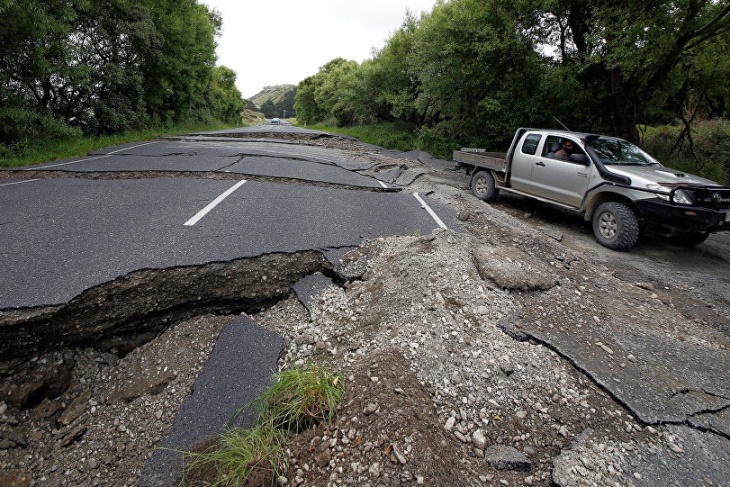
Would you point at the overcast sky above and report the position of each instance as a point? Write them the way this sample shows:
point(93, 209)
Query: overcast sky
point(275, 42)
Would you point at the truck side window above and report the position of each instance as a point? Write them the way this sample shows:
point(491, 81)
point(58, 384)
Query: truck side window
point(552, 145)
point(529, 146)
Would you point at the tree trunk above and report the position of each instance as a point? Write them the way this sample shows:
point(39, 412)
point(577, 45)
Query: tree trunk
point(625, 109)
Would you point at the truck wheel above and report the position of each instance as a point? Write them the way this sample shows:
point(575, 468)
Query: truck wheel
point(484, 187)
point(690, 239)
point(615, 225)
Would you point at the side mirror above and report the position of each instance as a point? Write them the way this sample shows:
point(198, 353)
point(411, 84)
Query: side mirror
point(579, 159)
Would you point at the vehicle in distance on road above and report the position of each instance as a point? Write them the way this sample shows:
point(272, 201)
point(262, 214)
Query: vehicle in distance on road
point(275, 121)
point(614, 184)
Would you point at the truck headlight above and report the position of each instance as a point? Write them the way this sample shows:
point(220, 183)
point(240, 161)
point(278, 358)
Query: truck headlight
point(680, 196)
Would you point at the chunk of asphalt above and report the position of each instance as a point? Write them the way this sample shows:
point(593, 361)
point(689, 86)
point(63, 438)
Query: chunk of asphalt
point(408, 176)
point(239, 369)
point(691, 458)
point(504, 457)
point(308, 288)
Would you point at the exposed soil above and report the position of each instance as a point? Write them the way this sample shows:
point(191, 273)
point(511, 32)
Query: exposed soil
point(443, 387)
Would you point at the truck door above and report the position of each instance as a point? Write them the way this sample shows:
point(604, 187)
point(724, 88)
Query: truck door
point(560, 179)
point(522, 162)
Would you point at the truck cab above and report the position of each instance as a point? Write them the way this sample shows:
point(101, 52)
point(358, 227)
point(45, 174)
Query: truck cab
point(564, 177)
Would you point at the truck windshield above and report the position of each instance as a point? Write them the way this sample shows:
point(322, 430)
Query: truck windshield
point(618, 151)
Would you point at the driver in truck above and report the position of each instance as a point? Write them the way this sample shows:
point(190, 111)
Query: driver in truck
point(567, 150)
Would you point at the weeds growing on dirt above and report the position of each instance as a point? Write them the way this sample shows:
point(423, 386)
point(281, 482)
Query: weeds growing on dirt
point(301, 398)
point(239, 455)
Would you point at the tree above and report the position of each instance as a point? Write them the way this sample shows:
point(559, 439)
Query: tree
point(478, 78)
point(305, 105)
point(178, 74)
point(390, 80)
point(228, 105)
point(321, 96)
point(627, 51)
point(104, 66)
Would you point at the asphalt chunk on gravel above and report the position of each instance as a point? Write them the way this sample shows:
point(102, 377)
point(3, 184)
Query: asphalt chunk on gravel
point(239, 369)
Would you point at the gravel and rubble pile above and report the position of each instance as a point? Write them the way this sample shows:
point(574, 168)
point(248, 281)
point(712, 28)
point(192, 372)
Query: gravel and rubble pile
point(423, 297)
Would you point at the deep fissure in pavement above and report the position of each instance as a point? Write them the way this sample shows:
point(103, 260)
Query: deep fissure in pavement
point(132, 309)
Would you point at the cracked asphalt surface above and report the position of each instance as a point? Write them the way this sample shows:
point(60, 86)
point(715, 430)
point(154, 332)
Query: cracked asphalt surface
point(664, 371)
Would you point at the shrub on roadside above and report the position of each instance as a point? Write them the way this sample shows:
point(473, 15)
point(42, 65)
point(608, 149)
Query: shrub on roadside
point(20, 127)
point(707, 156)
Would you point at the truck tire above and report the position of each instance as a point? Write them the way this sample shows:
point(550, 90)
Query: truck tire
point(615, 225)
point(690, 239)
point(484, 187)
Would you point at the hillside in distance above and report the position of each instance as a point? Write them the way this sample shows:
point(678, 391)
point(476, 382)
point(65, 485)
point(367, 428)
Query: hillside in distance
point(276, 101)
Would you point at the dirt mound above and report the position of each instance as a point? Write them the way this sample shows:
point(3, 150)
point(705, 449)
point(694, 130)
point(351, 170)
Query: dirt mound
point(386, 431)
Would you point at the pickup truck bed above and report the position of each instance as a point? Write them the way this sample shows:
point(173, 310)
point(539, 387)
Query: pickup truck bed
point(480, 158)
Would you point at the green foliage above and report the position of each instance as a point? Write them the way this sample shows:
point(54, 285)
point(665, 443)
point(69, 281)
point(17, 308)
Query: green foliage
point(71, 143)
point(276, 101)
point(471, 71)
point(20, 127)
point(109, 66)
point(298, 399)
point(226, 99)
point(303, 397)
point(308, 111)
point(708, 155)
point(331, 93)
point(395, 135)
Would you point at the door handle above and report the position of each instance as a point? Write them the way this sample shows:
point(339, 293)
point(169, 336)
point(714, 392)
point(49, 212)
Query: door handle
point(540, 163)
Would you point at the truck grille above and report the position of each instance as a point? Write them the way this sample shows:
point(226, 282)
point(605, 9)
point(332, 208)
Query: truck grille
point(710, 197)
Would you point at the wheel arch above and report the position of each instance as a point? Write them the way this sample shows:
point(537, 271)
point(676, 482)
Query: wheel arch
point(594, 200)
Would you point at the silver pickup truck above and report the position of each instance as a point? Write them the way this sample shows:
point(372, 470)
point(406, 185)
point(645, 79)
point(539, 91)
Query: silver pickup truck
point(610, 181)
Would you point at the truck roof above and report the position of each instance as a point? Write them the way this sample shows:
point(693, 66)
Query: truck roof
point(561, 132)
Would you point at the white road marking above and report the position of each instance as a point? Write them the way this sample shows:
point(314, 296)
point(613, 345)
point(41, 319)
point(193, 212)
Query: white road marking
point(19, 182)
point(88, 158)
point(430, 211)
point(382, 183)
point(213, 204)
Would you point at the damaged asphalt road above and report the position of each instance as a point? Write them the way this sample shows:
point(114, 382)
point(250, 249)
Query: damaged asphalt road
point(95, 247)
point(85, 227)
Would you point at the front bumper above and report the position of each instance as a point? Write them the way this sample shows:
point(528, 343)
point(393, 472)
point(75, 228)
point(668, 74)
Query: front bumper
point(679, 219)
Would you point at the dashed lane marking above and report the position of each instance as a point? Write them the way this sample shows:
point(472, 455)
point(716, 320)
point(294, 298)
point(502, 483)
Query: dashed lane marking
point(19, 182)
point(430, 211)
point(213, 204)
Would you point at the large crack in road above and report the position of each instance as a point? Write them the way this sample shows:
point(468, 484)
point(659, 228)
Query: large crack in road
point(213, 175)
point(145, 301)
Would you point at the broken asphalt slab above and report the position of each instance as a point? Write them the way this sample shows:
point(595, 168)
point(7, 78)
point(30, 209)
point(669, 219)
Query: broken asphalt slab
point(310, 287)
point(659, 379)
point(690, 459)
point(239, 369)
